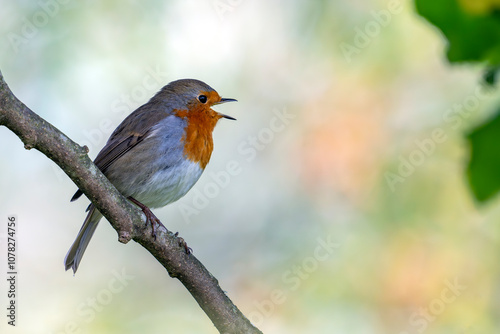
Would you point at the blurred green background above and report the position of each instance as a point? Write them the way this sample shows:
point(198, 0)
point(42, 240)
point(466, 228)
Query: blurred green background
point(338, 202)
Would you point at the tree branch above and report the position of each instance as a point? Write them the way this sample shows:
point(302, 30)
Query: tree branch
point(125, 218)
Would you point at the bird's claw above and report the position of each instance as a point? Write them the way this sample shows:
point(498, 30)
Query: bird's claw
point(183, 243)
point(150, 217)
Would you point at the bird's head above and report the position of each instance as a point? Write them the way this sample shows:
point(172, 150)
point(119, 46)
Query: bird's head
point(192, 96)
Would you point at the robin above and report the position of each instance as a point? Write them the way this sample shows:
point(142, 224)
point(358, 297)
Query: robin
point(156, 154)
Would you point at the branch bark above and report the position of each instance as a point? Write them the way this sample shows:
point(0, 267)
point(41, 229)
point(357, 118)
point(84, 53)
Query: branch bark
point(125, 218)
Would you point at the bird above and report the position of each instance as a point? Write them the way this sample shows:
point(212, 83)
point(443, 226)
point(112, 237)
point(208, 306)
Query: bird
point(156, 154)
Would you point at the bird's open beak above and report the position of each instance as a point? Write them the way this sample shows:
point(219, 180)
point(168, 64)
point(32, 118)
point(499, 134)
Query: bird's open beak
point(224, 100)
point(228, 117)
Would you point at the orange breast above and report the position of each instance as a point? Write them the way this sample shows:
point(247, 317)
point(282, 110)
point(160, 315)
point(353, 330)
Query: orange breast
point(198, 142)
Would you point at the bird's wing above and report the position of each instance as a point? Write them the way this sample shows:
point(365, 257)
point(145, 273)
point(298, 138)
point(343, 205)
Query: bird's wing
point(134, 129)
point(116, 148)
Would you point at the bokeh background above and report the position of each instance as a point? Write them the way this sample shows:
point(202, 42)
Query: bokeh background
point(345, 213)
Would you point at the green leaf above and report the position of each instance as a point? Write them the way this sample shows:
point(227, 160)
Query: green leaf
point(483, 170)
point(472, 36)
point(490, 76)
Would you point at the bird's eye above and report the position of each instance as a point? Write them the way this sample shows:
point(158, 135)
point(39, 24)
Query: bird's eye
point(202, 98)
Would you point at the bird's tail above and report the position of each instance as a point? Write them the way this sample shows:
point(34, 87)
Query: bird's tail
point(75, 253)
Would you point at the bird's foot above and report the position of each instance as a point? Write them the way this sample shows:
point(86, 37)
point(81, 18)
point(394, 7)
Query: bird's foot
point(150, 217)
point(183, 244)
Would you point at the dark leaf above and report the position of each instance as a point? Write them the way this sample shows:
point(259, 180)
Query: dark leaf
point(484, 166)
